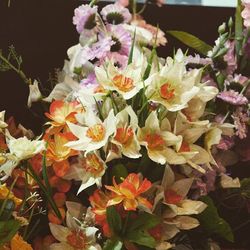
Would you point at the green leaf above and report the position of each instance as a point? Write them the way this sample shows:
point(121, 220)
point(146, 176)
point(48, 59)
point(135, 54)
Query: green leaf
point(114, 220)
point(9, 206)
point(144, 221)
point(45, 174)
point(141, 238)
point(212, 222)
point(149, 66)
point(119, 171)
point(191, 41)
point(245, 187)
point(112, 245)
point(130, 58)
point(7, 230)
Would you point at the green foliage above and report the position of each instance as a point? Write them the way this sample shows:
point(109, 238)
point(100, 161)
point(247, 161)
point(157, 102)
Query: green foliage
point(113, 244)
point(7, 209)
point(191, 41)
point(114, 220)
point(119, 171)
point(7, 230)
point(238, 29)
point(212, 222)
point(130, 58)
point(141, 237)
point(245, 188)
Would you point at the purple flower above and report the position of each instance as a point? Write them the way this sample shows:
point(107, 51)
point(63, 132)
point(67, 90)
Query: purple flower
point(89, 81)
point(116, 14)
point(232, 97)
point(198, 60)
point(230, 58)
point(240, 121)
point(247, 48)
point(225, 143)
point(85, 18)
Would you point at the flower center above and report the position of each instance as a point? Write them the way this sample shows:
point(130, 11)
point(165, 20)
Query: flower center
point(115, 18)
point(123, 83)
point(171, 197)
point(116, 46)
point(184, 147)
point(166, 91)
point(154, 141)
point(90, 23)
point(77, 240)
point(96, 132)
point(93, 164)
point(124, 135)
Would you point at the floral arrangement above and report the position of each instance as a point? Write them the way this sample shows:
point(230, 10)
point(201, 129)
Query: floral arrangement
point(137, 150)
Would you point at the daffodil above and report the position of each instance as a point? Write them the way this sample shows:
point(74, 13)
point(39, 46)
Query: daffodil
point(94, 134)
point(173, 86)
point(158, 141)
point(129, 192)
point(89, 170)
point(77, 235)
point(125, 135)
point(127, 82)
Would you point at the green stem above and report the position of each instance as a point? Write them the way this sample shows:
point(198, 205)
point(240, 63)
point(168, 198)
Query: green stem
point(30, 218)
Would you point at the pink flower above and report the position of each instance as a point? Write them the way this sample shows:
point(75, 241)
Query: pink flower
point(246, 13)
point(230, 58)
point(232, 97)
point(116, 14)
point(198, 60)
point(84, 18)
point(240, 119)
point(90, 80)
point(124, 3)
point(225, 143)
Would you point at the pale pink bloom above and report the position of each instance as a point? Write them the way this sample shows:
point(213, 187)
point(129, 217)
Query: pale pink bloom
point(116, 14)
point(230, 58)
point(246, 13)
point(225, 143)
point(89, 81)
point(198, 60)
point(240, 119)
point(233, 97)
point(84, 17)
point(124, 3)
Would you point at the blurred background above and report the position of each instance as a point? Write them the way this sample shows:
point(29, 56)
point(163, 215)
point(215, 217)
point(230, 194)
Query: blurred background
point(218, 3)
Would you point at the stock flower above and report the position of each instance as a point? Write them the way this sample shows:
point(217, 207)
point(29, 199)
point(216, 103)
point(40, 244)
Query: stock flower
point(116, 14)
point(240, 121)
point(89, 170)
point(232, 97)
point(125, 135)
point(158, 141)
point(85, 18)
point(94, 134)
point(246, 13)
point(129, 192)
point(75, 236)
point(23, 148)
point(62, 112)
point(127, 82)
point(173, 86)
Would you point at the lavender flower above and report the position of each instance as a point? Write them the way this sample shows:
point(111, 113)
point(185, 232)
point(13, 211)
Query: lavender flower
point(247, 48)
point(246, 13)
point(225, 143)
point(230, 58)
point(89, 81)
point(240, 119)
point(84, 18)
point(232, 97)
point(116, 14)
point(198, 60)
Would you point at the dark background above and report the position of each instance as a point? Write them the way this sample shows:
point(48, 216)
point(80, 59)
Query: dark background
point(42, 31)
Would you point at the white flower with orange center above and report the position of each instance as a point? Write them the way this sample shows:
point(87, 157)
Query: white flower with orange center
point(89, 170)
point(125, 135)
point(75, 236)
point(94, 134)
point(127, 82)
point(158, 141)
point(173, 86)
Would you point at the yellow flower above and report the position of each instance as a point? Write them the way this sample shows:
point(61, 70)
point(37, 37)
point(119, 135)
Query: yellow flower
point(17, 243)
point(6, 193)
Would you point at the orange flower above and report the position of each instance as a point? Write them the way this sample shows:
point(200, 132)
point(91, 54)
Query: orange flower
point(56, 150)
point(17, 243)
point(129, 192)
point(5, 192)
point(61, 112)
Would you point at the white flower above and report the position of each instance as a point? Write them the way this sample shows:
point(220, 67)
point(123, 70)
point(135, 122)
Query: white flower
point(127, 82)
point(125, 135)
point(229, 182)
point(23, 148)
point(174, 86)
point(94, 134)
point(34, 93)
point(3, 125)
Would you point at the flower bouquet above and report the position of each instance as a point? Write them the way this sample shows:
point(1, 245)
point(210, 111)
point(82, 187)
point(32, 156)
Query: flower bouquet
point(138, 151)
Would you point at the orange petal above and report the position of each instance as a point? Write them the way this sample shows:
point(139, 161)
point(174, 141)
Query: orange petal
point(115, 201)
point(59, 199)
point(145, 186)
point(61, 168)
point(144, 202)
point(130, 204)
point(54, 219)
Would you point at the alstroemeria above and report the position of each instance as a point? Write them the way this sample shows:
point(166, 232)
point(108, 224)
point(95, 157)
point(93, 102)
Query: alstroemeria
point(62, 112)
point(23, 148)
point(75, 236)
point(89, 170)
point(158, 141)
point(127, 82)
point(174, 86)
point(94, 134)
point(129, 192)
point(125, 135)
